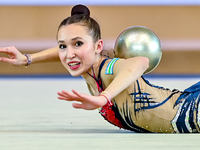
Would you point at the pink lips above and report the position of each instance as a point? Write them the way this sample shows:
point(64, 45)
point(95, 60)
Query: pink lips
point(73, 65)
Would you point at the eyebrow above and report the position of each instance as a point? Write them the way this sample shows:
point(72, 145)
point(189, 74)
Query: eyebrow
point(76, 38)
point(73, 39)
point(61, 41)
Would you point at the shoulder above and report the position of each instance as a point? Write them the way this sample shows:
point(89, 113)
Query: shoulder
point(111, 65)
point(109, 68)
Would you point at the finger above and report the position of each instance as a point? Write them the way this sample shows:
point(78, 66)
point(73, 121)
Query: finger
point(8, 60)
point(6, 50)
point(3, 49)
point(75, 95)
point(80, 95)
point(64, 94)
point(61, 94)
point(62, 98)
point(68, 96)
point(77, 106)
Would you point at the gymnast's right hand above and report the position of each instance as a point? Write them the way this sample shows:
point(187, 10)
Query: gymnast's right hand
point(15, 57)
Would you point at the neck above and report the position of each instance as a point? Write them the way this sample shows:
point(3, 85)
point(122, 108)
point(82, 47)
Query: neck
point(95, 68)
point(91, 77)
point(96, 65)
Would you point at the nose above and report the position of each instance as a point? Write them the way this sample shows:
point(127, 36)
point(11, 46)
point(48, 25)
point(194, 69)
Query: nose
point(70, 53)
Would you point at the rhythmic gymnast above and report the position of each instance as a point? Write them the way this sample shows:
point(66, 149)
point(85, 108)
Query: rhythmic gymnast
point(118, 89)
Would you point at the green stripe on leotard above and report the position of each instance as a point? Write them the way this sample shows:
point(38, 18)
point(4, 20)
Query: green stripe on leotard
point(109, 69)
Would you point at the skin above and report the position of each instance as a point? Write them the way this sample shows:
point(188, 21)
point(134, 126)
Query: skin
point(76, 46)
point(16, 58)
point(87, 54)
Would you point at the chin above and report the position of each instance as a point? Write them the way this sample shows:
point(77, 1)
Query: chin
point(75, 74)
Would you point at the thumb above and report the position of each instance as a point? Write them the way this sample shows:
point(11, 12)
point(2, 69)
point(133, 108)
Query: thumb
point(77, 106)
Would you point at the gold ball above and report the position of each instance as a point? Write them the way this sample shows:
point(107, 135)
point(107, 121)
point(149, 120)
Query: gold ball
point(139, 41)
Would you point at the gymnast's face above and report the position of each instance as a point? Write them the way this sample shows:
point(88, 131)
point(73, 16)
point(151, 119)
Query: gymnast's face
point(77, 49)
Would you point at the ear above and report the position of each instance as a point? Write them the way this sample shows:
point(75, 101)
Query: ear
point(99, 46)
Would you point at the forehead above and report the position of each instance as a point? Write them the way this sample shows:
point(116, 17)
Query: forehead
point(72, 30)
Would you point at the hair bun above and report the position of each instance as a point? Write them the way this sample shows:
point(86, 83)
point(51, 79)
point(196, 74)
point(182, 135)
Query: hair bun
point(80, 9)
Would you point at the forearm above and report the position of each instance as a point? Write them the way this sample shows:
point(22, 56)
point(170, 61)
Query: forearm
point(129, 72)
point(47, 55)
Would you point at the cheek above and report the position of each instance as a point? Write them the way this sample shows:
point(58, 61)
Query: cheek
point(87, 58)
point(61, 55)
point(89, 53)
point(63, 59)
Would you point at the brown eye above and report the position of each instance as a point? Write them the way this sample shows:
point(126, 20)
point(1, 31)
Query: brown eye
point(78, 43)
point(62, 46)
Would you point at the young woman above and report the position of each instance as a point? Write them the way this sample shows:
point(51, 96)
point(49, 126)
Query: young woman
point(118, 90)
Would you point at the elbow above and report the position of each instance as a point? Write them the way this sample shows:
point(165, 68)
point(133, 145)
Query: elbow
point(137, 64)
point(144, 61)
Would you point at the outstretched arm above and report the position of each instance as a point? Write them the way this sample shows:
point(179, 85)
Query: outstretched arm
point(125, 73)
point(47, 55)
point(16, 58)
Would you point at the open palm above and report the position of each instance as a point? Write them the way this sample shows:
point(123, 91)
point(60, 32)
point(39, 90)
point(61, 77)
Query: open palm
point(86, 101)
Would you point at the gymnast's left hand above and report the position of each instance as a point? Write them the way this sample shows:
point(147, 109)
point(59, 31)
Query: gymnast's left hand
point(86, 101)
point(15, 57)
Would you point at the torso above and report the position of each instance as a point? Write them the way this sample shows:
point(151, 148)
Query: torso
point(143, 107)
point(147, 107)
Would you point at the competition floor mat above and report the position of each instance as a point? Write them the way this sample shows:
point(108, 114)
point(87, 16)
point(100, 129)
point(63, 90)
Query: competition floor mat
point(32, 118)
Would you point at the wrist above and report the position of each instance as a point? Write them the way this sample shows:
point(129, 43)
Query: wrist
point(28, 60)
point(107, 96)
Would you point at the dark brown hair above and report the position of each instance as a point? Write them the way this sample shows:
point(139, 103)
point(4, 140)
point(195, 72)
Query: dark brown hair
point(80, 14)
